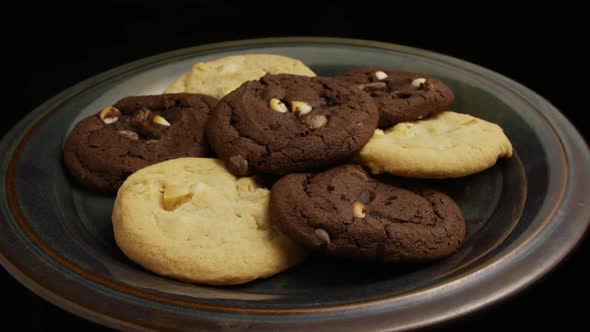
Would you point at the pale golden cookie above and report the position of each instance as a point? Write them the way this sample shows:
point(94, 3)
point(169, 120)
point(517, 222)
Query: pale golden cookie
point(192, 220)
point(221, 76)
point(445, 146)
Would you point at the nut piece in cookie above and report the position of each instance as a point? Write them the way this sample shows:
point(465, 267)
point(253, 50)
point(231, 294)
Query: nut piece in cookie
point(401, 96)
point(343, 212)
point(103, 149)
point(288, 123)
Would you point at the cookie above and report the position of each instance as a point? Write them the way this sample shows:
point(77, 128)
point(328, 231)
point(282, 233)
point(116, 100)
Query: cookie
point(447, 145)
point(221, 76)
point(288, 123)
point(105, 148)
point(343, 212)
point(401, 96)
point(190, 219)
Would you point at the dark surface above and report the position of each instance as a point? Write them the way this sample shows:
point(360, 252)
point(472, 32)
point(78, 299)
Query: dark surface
point(398, 99)
point(345, 213)
point(49, 47)
point(250, 139)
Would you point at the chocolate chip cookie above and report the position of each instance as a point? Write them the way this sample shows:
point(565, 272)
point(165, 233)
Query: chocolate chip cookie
point(343, 212)
point(287, 123)
point(190, 219)
point(219, 77)
point(446, 145)
point(401, 96)
point(104, 149)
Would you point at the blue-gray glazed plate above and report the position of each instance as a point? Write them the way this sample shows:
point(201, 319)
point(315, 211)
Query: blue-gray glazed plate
point(524, 214)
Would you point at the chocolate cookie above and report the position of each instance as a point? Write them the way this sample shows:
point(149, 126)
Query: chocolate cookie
point(401, 96)
point(104, 149)
point(287, 123)
point(343, 212)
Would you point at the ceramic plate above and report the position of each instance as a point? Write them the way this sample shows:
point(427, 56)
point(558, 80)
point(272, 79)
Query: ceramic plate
point(523, 215)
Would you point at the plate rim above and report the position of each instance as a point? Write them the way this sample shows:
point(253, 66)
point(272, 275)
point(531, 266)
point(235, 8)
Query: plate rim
point(48, 108)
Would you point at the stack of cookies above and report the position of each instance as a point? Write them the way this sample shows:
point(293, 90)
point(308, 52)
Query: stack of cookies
point(192, 168)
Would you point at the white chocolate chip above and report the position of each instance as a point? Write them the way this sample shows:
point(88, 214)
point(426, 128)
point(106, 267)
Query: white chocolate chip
point(380, 75)
point(358, 209)
point(418, 82)
point(316, 121)
point(300, 107)
point(161, 121)
point(279, 106)
point(128, 134)
point(109, 115)
point(322, 235)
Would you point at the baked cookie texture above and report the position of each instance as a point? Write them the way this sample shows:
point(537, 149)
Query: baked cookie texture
point(192, 220)
point(288, 123)
point(221, 76)
point(401, 96)
point(446, 145)
point(343, 212)
point(105, 148)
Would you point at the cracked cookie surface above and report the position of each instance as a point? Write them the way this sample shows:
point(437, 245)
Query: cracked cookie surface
point(190, 219)
point(104, 149)
point(344, 212)
point(287, 123)
point(401, 96)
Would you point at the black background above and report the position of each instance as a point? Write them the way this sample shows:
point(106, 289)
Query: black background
point(51, 46)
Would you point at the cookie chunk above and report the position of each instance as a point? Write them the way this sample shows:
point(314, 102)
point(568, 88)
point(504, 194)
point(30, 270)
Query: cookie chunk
point(287, 123)
point(401, 96)
point(190, 219)
point(343, 212)
point(447, 145)
point(221, 76)
point(103, 149)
